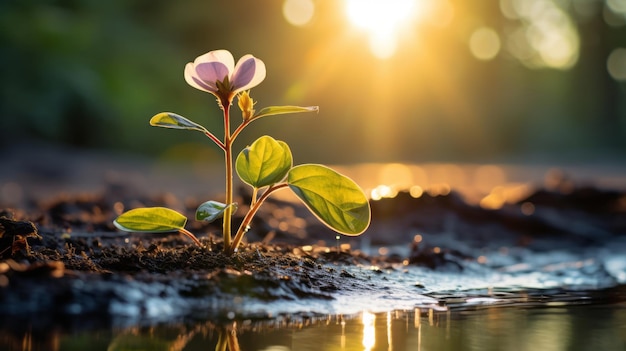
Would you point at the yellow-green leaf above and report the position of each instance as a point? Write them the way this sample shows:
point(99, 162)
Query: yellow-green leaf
point(264, 163)
point(334, 198)
point(281, 110)
point(150, 220)
point(174, 121)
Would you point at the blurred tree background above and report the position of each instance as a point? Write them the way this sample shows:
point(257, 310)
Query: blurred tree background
point(396, 80)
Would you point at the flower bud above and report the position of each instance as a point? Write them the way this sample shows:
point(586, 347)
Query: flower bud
point(246, 104)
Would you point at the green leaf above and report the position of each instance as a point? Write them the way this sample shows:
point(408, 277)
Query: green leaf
point(212, 210)
point(150, 220)
point(334, 198)
point(174, 121)
point(281, 110)
point(264, 163)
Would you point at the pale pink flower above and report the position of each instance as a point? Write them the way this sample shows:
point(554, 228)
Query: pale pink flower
point(215, 72)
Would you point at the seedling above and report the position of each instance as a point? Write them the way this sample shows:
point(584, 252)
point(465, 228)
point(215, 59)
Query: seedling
point(266, 165)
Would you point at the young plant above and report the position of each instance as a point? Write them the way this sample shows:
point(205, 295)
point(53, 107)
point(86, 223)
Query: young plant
point(266, 165)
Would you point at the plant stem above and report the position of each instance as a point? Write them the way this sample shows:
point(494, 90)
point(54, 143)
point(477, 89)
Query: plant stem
point(239, 129)
point(228, 155)
point(222, 340)
point(190, 235)
point(243, 228)
point(215, 140)
point(233, 342)
point(255, 191)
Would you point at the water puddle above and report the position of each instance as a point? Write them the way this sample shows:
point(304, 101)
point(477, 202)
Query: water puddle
point(562, 326)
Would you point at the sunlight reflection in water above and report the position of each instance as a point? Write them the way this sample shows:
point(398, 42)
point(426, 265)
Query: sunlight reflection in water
point(563, 327)
point(369, 332)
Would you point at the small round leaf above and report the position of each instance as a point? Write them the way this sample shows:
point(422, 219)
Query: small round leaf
point(264, 163)
point(150, 220)
point(212, 210)
point(334, 198)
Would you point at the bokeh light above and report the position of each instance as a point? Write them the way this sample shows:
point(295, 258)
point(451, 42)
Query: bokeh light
point(616, 64)
point(613, 13)
point(383, 191)
point(416, 191)
point(298, 12)
point(547, 36)
point(618, 7)
point(484, 43)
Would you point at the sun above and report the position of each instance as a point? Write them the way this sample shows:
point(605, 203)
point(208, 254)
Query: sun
point(374, 14)
point(382, 19)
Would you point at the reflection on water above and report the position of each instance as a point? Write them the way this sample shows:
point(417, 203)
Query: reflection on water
point(567, 327)
point(369, 330)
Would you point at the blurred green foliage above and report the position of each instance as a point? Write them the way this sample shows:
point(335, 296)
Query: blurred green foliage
point(88, 73)
point(91, 73)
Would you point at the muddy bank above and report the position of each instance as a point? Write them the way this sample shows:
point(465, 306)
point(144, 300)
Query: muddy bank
point(62, 256)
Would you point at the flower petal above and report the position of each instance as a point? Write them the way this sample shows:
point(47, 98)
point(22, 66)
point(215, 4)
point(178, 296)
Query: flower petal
point(223, 56)
point(192, 79)
point(248, 73)
point(211, 72)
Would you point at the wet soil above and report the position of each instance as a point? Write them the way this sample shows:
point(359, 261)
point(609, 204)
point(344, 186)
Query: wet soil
point(62, 256)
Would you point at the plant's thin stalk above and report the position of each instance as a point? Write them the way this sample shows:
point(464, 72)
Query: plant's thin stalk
point(243, 228)
point(222, 341)
point(190, 235)
point(255, 192)
point(229, 178)
point(215, 140)
point(233, 342)
point(240, 128)
point(227, 147)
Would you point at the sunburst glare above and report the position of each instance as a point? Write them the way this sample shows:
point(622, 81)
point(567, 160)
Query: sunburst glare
point(383, 21)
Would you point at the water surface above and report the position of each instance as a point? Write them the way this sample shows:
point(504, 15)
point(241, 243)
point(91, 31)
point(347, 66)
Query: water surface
point(549, 327)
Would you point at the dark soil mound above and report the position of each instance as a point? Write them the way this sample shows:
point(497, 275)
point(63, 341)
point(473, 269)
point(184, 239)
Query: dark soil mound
point(65, 257)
